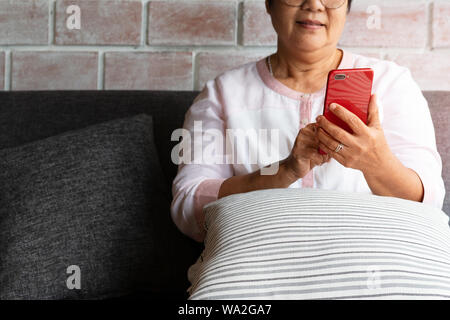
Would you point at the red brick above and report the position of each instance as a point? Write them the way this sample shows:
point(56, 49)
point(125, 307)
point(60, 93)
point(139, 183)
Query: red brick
point(211, 64)
point(23, 22)
point(148, 70)
point(2, 70)
point(441, 24)
point(54, 70)
point(403, 24)
point(192, 23)
point(257, 25)
point(103, 22)
point(430, 70)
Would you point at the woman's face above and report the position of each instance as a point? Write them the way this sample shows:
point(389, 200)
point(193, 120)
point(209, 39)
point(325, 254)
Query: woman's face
point(293, 36)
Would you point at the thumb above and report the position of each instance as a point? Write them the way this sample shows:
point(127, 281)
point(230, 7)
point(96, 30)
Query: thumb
point(373, 119)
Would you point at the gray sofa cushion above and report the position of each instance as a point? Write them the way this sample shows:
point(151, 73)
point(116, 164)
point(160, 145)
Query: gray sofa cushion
point(86, 198)
point(27, 116)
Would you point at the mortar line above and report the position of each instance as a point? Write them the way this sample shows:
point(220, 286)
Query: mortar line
point(51, 22)
point(8, 66)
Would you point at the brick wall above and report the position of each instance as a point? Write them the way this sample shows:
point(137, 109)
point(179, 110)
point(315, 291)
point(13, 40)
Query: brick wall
point(179, 45)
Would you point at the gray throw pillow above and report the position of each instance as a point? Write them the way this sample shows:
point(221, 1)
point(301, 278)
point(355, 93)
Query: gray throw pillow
point(76, 213)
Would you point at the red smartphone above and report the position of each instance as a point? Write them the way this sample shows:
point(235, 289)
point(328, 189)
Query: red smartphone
point(350, 88)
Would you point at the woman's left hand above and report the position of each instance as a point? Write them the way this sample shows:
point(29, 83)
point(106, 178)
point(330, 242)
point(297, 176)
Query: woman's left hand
point(366, 149)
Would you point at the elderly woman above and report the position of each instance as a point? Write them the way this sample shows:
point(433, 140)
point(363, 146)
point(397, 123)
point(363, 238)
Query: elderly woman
point(393, 155)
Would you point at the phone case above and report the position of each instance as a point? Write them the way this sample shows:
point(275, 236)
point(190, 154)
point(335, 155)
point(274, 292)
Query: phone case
point(350, 88)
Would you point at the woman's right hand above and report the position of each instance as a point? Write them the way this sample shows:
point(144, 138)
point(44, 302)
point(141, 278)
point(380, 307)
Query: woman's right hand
point(304, 154)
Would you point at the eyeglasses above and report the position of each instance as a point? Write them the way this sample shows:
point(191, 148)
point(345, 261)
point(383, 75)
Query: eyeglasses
point(329, 4)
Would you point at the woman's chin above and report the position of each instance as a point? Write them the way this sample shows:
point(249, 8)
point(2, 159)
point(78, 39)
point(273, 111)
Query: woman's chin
point(312, 39)
point(308, 45)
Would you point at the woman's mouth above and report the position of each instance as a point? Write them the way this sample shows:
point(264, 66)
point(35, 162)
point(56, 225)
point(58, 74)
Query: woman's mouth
point(310, 25)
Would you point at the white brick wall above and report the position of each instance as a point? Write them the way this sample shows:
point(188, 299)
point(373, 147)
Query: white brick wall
point(179, 45)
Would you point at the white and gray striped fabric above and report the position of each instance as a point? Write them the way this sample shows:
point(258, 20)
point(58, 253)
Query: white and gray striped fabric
point(317, 244)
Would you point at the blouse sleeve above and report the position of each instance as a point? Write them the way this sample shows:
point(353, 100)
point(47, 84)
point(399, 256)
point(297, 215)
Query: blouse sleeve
point(409, 131)
point(204, 167)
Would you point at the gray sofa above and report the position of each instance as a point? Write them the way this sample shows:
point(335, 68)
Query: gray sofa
point(26, 117)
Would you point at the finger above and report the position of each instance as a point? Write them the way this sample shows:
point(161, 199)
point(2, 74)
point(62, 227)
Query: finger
point(335, 155)
point(310, 129)
point(353, 121)
point(373, 119)
point(334, 131)
point(327, 140)
point(309, 133)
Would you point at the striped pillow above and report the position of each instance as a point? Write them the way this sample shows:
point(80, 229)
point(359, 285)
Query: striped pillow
point(317, 244)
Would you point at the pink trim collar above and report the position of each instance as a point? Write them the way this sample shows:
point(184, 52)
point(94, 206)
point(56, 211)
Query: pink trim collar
point(277, 86)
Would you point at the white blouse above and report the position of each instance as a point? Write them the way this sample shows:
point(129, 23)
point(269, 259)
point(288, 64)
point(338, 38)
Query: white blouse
point(249, 99)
